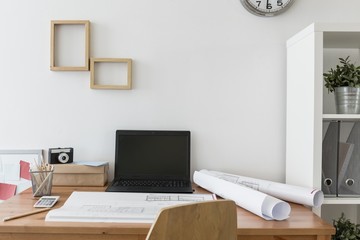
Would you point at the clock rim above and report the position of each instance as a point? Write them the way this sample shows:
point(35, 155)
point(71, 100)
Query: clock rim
point(257, 12)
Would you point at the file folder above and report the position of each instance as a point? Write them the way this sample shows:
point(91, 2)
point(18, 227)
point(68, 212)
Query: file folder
point(345, 153)
point(330, 150)
point(349, 176)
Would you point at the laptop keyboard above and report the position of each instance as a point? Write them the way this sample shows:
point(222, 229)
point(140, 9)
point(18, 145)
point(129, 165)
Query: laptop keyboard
point(151, 183)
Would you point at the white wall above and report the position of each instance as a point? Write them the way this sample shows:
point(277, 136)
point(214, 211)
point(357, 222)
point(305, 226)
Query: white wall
point(208, 66)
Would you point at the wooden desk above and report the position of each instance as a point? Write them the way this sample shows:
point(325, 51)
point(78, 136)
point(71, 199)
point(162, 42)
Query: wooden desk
point(302, 224)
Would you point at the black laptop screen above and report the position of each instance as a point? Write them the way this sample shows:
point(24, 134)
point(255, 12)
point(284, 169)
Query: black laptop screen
point(152, 154)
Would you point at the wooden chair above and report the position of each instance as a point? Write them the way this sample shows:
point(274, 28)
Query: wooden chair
point(210, 220)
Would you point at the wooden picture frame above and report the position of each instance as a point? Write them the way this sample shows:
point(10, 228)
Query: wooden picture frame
point(94, 83)
point(55, 51)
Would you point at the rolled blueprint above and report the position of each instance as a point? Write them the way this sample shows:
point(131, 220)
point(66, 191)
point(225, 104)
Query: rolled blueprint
point(259, 203)
point(302, 195)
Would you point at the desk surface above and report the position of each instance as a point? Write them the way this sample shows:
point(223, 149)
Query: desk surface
point(302, 224)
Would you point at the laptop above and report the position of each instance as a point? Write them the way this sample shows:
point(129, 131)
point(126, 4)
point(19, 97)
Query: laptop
point(152, 161)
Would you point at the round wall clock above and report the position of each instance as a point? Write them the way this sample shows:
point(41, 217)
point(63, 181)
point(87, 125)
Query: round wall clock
point(267, 8)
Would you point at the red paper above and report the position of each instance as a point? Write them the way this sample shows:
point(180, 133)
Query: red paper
point(24, 170)
point(7, 191)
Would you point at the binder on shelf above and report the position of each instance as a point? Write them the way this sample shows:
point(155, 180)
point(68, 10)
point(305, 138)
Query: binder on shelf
point(349, 175)
point(330, 149)
point(345, 153)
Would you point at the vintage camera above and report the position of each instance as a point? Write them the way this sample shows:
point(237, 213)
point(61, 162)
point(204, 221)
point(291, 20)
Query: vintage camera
point(61, 155)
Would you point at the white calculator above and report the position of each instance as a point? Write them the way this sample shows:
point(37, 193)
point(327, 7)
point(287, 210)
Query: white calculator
point(46, 201)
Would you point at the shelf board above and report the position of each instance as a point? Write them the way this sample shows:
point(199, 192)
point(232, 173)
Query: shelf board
point(341, 40)
point(341, 117)
point(343, 200)
point(336, 35)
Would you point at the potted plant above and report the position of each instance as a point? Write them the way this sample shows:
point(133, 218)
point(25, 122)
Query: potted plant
point(345, 229)
point(344, 80)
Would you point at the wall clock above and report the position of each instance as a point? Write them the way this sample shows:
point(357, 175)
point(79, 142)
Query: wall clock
point(267, 8)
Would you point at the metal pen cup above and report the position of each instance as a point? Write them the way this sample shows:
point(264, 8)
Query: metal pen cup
point(41, 182)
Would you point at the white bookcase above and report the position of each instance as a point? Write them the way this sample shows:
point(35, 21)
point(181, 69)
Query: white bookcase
point(310, 53)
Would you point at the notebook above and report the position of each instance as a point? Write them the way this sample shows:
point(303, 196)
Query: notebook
point(152, 161)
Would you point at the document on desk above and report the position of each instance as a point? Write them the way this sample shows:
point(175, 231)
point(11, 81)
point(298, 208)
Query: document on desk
point(119, 206)
point(261, 204)
point(308, 196)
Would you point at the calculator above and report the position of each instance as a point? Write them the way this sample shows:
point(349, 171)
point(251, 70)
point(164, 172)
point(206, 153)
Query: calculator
point(46, 201)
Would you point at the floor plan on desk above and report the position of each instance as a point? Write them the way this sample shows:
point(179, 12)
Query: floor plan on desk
point(119, 206)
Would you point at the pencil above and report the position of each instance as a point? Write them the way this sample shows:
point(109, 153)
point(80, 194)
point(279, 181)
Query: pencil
point(25, 214)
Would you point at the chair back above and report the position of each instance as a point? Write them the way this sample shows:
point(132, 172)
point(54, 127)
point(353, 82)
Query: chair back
point(210, 220)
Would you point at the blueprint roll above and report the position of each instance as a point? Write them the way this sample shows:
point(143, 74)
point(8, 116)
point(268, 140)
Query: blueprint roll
point(303, 195)
point(259, 203)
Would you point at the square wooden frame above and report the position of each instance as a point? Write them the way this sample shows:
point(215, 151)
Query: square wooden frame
point(93, 84)
point(86, 24)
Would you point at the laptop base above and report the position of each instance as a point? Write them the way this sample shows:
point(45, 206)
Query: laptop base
point(113, 188)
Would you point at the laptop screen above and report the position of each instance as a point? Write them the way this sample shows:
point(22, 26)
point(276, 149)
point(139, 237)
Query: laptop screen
point(152, 154)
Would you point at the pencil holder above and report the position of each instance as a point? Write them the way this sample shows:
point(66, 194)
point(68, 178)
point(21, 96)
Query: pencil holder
point(41, 182)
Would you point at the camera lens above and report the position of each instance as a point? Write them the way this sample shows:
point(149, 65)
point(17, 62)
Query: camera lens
point(63, 158)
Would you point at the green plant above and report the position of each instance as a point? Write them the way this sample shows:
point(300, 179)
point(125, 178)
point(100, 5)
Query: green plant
point(345, 229)
point(345, 75)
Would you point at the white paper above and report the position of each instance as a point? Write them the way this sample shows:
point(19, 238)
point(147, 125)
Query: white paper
point(119, 206)
point(21, 185)
point(92, 164)
point(12, 172)
point(259, 203)
point(302, 195)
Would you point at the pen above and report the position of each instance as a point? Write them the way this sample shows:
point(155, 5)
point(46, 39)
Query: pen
point(25, 214)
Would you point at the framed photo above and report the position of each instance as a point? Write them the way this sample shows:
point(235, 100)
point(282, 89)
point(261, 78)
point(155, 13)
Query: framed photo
point(14, 170)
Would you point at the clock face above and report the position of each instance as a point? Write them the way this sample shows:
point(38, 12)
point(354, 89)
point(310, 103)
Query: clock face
point(266, 8)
